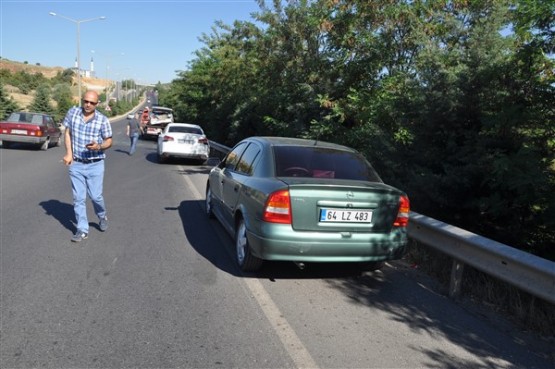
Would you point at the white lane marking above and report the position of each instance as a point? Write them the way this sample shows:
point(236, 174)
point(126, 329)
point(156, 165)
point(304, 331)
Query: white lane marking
point(291, 342)
point(289, 339)
point(192, 187)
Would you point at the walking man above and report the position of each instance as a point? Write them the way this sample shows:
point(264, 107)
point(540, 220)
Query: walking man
point(88, 133)
point(133, 130)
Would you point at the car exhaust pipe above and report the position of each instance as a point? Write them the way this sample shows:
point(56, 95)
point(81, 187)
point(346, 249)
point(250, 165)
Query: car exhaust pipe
point(300, 265)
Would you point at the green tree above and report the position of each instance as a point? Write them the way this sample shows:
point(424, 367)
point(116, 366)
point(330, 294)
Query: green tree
point(64, 77)
point(41, 101)
point(7, 104)
point(64, 100)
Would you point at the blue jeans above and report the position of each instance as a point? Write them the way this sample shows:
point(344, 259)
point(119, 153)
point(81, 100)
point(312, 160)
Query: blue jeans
point(87, 179)
point(133, 138)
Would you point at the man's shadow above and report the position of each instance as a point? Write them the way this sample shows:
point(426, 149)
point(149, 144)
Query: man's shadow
point(61, 211)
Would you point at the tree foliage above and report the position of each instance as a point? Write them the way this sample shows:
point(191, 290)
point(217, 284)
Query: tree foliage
point(7, 104)
point(64, 100)
point(451, 101)
point(41, 101)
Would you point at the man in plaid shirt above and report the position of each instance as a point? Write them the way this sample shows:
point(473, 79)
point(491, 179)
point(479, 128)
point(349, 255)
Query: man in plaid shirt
point(88, 133)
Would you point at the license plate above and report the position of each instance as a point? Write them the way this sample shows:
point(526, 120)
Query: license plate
point(189, 142)
point(19, 132)
point(345, 215)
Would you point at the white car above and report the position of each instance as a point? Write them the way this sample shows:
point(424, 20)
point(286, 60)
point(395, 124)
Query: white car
point(183, 140)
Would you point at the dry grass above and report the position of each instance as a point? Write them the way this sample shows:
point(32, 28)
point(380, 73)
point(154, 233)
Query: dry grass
point(526, 311)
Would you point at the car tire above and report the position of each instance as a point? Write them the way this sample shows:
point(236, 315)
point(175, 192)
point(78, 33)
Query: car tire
point(6, 144)
point(208, 203)
point(246, 260)
point(45, 145)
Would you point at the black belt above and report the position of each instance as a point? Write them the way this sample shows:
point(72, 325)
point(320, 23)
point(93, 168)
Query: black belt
point(86, 161)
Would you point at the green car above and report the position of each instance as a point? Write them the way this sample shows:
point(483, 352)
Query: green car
point(306, 201)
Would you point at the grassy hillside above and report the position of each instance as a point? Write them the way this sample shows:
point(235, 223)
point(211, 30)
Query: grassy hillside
point(24, 100)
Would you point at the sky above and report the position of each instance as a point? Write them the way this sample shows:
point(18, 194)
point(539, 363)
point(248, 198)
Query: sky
point(147, 41)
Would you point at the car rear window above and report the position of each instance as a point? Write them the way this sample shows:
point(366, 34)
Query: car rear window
point(162, 111)
point(178, 129)
point(318, 162)
point(23, 117)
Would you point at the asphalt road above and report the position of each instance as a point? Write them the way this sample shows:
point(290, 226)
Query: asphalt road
point(160, 288)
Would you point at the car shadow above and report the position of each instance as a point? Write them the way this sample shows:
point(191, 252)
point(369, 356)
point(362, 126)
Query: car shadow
point(198, 169)
point(61, 211)
point(202, 236)
point(211, 241)
point(25, 147)
point(152, 157)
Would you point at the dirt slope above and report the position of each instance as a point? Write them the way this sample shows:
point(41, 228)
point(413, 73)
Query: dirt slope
point(23, 100)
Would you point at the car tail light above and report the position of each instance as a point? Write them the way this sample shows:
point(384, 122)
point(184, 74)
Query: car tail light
point(168, 138)
point(278, 208)
point(37, 132)
point(203, 140)
point(403, 213)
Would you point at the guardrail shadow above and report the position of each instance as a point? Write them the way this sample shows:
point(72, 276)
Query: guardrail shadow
point(412, 299)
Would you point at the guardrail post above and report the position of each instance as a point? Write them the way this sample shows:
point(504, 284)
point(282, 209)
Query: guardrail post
point(456, 278)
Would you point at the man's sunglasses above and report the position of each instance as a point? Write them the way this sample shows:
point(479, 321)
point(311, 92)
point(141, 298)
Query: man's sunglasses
point(90, 102)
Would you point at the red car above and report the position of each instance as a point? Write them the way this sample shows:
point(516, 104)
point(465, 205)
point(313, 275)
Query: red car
point(30, 128)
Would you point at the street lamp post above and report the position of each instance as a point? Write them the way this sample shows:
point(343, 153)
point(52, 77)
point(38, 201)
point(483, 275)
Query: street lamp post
point(109, 58)
point(78, 22)
point(121, 74)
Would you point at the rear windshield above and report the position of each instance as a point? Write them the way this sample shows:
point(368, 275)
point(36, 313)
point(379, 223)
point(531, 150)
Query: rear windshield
point(161, 111)
point(22, 117)
point(318, 162)
point(179, 129)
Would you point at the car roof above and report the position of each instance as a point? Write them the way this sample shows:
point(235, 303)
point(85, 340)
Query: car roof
point(29, 112)
point(184, 125)
point(292, 141)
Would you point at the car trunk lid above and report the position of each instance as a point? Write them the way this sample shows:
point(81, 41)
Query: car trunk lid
point(345, 206)
point(24, 129)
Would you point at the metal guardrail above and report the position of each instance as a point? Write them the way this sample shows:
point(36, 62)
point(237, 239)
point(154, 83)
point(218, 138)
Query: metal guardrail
point(518, 268)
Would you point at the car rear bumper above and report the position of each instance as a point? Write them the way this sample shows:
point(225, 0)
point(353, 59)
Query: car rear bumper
point(22, 139)
point(186, 152)
point(281, 242)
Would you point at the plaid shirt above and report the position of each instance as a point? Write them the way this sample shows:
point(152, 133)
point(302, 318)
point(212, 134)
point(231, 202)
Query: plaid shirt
point(97, 129)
